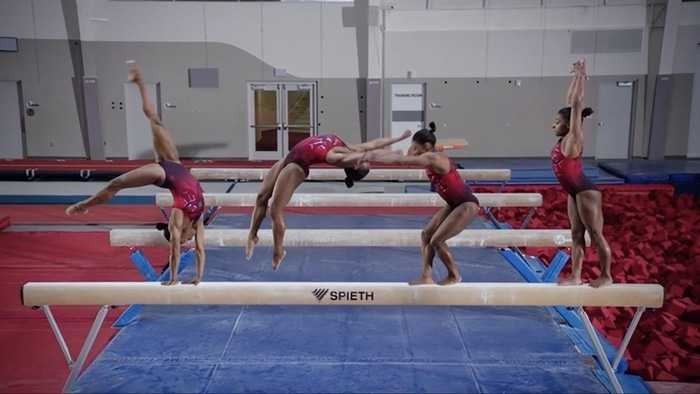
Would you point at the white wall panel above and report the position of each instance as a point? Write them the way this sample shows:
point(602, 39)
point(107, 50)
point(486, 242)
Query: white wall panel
point(405, 4)
point(514, 53)
point(456, 4)
point(572, 3)
point(339, 44)
point(690, 14)
point(436, 54)
point(684, 56)
point(292, 37)
point(375, 52)
point(621, 17)
point(436, 20)
point(618, 64)
point(102, 20)
point(557, 56)
point(514, 19)
point(16, 19)
point(49, 20)
point(236, 24)
point(571, 18)
point(512, 3)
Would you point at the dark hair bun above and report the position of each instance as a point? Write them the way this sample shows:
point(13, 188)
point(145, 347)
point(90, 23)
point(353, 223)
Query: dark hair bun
point(432, 127)
point(164, 228)
point(349, 182)
point(588, 111)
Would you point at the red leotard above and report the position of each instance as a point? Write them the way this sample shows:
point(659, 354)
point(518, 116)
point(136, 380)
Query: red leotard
point(569, 172)
point(187, 193)
point(312, 150)
point(451, 187)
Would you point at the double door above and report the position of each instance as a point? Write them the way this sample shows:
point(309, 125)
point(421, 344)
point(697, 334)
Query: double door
point(280, 115)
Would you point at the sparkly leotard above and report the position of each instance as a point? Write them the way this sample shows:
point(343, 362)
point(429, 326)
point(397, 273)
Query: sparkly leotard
point(312, 150)
point(187, 193)
point(569, 172)
point(451, 187)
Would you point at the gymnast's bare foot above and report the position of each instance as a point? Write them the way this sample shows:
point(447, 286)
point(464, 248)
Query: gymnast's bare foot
point(250, 246)
point(76, 208)
point(277, 259)
point(423, 280)
point(194, 281)
point(170, 282)
point(570, 280)
point(450, 279)
point(603, 280)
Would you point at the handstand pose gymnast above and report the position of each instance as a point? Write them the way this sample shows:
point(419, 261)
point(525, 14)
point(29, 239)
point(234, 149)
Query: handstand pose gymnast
point(462, 206)
point(584, 204)
point(285, 176)
point(186, 216)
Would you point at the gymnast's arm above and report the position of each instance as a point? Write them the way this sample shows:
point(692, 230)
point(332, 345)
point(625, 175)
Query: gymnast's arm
point(573, 144)
point(379, 143)
point(391, 157)
point(175, 227)
point(199, 250)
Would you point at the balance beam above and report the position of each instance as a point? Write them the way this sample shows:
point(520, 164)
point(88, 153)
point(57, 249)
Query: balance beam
point(339, 293)
point(355, 237)
point(336, 174)
point(363, 200)
point(44, 294)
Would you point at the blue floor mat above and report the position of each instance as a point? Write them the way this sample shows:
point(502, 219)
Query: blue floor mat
point(538, 170)
point(683, 174)
point(333, 349)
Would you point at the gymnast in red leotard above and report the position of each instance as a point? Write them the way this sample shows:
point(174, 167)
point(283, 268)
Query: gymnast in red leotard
point(286, 175)
point(462, 206)
point(188, 200)
point(584, 203)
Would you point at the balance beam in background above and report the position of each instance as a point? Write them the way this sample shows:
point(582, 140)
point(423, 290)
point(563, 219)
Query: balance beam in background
point(339, 293)
point(337, 174)
point(363, 200)
point(355, 237)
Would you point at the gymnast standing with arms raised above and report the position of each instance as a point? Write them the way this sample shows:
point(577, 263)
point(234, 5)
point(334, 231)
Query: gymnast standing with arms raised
point(461, 208)
point(285, 176)
point(185, 220)
point(584, 204)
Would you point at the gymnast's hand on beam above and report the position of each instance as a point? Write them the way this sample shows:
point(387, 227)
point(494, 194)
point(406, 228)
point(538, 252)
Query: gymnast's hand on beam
point(406, 134)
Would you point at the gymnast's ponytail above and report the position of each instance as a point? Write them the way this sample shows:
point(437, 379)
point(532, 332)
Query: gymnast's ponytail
point(164, 228)
point(352, 175)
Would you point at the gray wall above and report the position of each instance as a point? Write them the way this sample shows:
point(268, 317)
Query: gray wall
point(679, 115)
point(45, 69)
point(499, 119)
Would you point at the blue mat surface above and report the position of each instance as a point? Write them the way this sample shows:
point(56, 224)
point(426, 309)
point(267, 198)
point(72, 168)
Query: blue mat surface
point(383, 349)
point(539, 170)
point(683, 174)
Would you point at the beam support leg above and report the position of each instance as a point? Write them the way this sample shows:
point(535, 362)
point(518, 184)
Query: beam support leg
point(85, 350)
point(602, 357)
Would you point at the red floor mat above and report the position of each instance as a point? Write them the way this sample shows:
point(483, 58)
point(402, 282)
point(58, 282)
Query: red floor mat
point(37, 364)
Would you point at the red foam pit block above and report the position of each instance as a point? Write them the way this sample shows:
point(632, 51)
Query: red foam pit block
point(688, 330)
point(675, 307)
point(663, 375)
point(667, 364)
point(670, 344)
point(668, 325)
point(675, 291)
point(653, 350)
point(635, 365)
